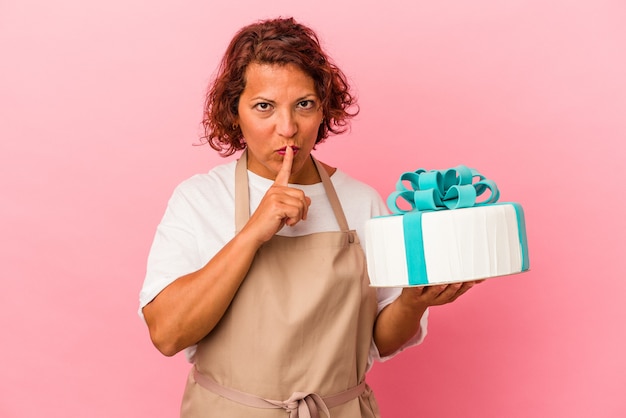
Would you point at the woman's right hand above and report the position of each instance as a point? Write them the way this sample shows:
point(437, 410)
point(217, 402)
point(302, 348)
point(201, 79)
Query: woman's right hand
point(281, 205)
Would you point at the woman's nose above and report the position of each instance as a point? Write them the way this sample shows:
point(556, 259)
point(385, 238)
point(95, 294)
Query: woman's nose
point(286, 124)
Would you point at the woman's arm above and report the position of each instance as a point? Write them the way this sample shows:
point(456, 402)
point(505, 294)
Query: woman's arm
point(400, 320)
point(190, 307)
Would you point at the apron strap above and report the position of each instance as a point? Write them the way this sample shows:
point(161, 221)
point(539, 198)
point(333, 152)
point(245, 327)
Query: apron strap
point(332, 196)
point(242, 194)
point(299, 404)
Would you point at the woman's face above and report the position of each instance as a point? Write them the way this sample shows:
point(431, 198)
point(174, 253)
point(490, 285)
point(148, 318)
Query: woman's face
point(278, 108)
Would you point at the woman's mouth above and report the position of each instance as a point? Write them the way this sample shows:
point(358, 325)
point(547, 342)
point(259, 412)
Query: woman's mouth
point(283, 149)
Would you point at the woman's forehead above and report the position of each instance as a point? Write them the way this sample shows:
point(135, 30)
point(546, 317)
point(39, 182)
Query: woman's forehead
point(277, 80)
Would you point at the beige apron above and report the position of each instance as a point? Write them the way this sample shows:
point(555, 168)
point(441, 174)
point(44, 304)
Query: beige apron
point(296, 337)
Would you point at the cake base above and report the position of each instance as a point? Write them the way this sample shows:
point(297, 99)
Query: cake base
point(446, 246)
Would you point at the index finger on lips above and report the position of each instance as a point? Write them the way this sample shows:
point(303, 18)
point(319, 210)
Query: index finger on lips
point(282, 178)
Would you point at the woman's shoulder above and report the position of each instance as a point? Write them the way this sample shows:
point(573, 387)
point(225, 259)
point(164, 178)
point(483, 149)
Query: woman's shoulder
point(345, 183)
point(214, 187)
point(357, 196)
point(220, 176)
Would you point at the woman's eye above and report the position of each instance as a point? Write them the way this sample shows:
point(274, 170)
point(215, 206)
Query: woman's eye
point(263, 107)
point(306, 104)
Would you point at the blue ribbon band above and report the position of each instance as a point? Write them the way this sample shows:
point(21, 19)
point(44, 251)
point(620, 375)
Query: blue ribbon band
point(414, 249)
point(523, 240)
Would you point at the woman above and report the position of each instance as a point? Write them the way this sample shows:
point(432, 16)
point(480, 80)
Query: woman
point(255, 270)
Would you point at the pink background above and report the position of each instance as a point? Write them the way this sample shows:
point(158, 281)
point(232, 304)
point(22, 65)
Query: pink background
point(100, 106)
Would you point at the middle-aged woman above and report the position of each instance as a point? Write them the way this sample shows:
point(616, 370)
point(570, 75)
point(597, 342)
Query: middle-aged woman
point(257, 268)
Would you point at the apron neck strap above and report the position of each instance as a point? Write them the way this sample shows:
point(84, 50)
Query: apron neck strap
point(242, 194)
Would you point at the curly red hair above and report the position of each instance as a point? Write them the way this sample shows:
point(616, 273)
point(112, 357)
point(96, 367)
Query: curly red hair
point(274, 41)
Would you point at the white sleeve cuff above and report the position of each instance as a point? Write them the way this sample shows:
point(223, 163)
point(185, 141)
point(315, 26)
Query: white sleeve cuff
point(413, 341)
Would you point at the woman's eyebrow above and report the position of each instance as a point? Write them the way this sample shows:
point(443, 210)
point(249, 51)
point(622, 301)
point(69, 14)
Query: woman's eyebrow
point(265, 99)
point(299, 99)
point(307, 96)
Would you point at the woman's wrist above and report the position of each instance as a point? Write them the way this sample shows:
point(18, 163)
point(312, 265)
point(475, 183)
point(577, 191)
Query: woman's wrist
point(409, 304)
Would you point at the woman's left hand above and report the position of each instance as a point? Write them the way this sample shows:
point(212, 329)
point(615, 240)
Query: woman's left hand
point(434, 295)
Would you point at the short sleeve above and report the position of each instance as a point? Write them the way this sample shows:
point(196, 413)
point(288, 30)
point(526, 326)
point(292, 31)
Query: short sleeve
point(174, 251)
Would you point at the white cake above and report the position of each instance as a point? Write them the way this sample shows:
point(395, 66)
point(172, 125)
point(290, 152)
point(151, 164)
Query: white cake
point(424, 247)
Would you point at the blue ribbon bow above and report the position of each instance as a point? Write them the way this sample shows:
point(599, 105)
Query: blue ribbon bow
point(453, 188)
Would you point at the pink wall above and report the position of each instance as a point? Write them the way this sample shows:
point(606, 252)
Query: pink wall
point(100, 105)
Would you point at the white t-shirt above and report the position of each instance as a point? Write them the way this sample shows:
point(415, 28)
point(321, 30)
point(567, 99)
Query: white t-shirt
point(199, 221)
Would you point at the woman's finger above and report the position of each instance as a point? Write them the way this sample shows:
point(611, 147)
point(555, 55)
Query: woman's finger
point(282, 178)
